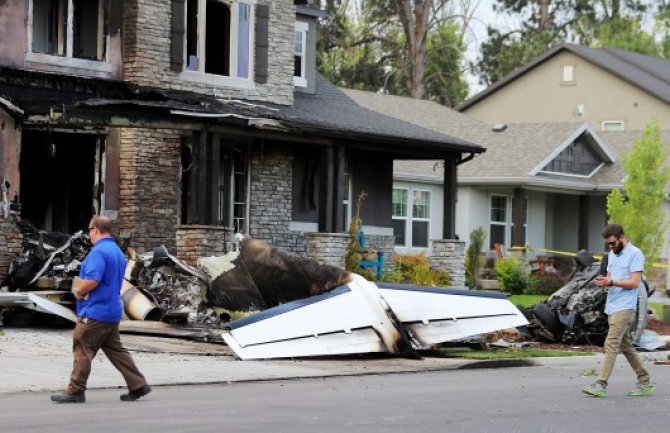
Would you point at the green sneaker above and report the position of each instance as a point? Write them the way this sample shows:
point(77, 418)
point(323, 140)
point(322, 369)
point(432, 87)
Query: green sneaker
point(595, 390)
point(641, 390)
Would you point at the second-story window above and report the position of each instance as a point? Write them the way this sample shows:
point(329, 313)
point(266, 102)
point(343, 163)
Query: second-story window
point(300, 54)
point(219, 37)
point(69, 28)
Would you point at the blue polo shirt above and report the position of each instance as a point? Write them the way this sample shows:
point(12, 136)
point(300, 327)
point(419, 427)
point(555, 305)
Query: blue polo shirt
point(105, 264)
point(621, 266)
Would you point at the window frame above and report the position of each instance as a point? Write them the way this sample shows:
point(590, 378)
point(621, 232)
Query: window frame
point(233, 79)
point(302, 28)
point(409, 217)
point(508, 224)
point(568, 71)
point(620, 123)
point(67, 59)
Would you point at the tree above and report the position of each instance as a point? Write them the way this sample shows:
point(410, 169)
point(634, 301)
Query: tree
point(639, 209)
point(546, 23)
point(473, 257)
point(414, 48)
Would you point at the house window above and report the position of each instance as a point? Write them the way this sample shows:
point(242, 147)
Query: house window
point(498, 221)
point(219, 41)
point(215, 182)
point(568, 73)
point(68, 28)
point(613, 125)
point(411, 217)
point(500, 224)
point(300, 54)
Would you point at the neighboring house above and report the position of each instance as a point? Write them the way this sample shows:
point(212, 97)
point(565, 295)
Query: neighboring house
point(612, 89)
point(189, 120)
point(542, 184)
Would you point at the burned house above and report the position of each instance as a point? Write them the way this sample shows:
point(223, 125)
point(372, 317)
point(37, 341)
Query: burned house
point(189, 120)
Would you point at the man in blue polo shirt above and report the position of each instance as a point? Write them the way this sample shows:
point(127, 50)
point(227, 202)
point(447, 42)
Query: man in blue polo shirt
point(99, 309)
point(625, 264)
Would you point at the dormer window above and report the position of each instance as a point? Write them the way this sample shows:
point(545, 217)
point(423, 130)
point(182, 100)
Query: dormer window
point(219, 37)
point(300, 54)
point(68, 28)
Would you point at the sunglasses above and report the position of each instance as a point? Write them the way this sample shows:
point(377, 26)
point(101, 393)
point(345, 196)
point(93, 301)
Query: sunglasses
point(613, 243)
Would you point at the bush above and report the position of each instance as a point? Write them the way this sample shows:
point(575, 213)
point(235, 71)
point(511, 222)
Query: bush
point(510, 276)
point(415, 269)
point(545, 284)
point(473, 257)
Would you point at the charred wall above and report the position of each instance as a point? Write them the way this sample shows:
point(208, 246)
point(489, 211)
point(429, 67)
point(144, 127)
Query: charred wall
point(149, 186)
point(13, 36)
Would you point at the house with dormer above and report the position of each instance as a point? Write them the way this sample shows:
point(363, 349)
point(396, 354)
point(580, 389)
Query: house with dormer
point(538, 184)
point(187, 121)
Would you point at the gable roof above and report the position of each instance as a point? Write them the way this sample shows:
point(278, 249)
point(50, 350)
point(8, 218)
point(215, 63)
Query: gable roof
point(597, 144)
point(330, 111)
point(651, 74)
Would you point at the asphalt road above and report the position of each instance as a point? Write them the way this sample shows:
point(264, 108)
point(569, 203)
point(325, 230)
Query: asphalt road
point(506, 400)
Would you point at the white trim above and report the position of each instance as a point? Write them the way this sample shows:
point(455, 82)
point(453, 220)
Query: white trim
point(69, 62)
point(377, 231)
point(232, 79)
point(602, 149)
point(613, 122)
point(568, 69)
point(299, 226)
point(217, 80)
point(302, 28)
point(584, 176)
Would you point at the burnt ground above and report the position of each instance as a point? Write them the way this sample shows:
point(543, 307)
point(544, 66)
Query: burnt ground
point(653, 325)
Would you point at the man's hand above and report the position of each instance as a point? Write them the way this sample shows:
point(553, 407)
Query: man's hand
point(603, 282)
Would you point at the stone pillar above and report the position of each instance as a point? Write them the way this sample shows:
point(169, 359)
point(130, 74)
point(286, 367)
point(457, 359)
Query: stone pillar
point(195, 241)
point(449, 255)
point(327, 248)
point(10, 243)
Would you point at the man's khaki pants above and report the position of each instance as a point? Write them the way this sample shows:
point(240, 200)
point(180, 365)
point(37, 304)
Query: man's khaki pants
point(89, 337)
point(620, 339)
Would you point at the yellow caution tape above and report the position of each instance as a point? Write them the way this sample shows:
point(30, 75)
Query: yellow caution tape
point(567, 253)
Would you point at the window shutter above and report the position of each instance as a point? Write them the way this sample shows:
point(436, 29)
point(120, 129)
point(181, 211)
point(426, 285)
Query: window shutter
point(177, 36)
point(262, 44)
point(115, 17)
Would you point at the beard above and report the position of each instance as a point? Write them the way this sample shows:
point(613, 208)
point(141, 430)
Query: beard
point(616, 249)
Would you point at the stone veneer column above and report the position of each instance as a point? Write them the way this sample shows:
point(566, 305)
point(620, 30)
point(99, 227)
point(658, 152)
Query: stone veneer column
point(10, 243)
point(449, 255)
point(150, 189)
point(195, 241)
point(327, 248)
point(270, 206)
point(383, 243)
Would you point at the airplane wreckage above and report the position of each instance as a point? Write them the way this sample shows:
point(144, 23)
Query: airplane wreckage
point(297, 307)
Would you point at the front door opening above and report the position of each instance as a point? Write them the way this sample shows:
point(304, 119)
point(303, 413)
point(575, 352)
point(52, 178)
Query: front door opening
point(58, 179)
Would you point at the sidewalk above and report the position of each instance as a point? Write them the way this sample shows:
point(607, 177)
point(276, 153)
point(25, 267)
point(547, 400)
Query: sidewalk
point(41, 360)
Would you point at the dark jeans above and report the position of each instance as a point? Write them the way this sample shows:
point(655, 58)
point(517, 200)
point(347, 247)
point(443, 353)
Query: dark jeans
point(92, 336)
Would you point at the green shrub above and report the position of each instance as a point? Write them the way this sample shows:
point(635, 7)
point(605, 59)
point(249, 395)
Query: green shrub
point(546, 284)
point(473, 257)
point(415, 269)
point(510, 276)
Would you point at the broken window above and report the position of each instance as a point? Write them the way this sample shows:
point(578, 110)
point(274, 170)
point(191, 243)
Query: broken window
point(69, 28)
point(215, 181)
point(67, 191)
point(299, 54)
point(219, 40)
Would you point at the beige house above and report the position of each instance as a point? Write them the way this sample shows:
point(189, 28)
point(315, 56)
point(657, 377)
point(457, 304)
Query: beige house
point(611, 89)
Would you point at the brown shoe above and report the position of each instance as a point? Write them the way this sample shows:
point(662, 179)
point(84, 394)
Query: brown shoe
point(135, 394)
point(67, 397)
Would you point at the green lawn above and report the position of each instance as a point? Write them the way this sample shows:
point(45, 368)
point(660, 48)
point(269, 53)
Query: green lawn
point(510, 353)
point(658, 309)
point(527, 300)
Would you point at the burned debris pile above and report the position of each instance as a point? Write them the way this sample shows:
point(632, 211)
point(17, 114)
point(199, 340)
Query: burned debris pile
point(575, 314)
